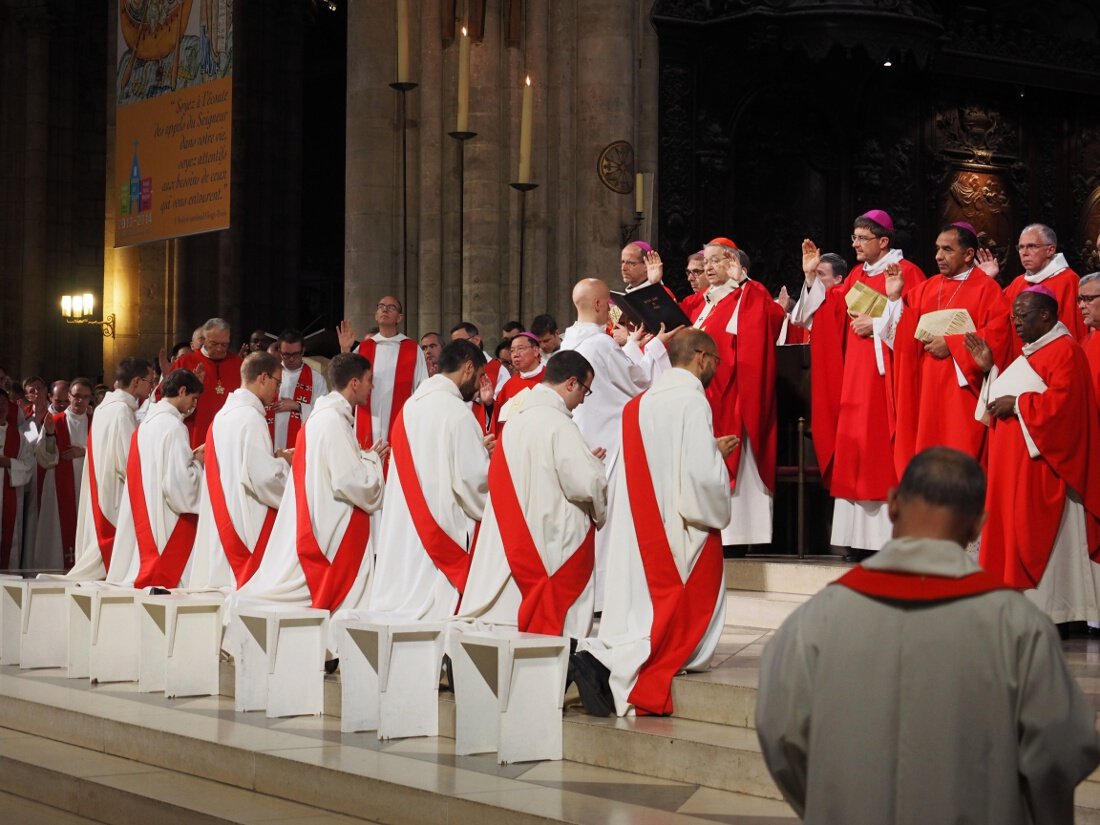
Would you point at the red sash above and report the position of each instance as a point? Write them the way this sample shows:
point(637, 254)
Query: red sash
point(403, 378)
point(244, 562)
point(545, 599)
point(158, 568)
point(65, 489)
point(104, 529)
point(447, 555)
point(329, 582)
point(303, 394)
point(681, 610)
point(918, 587)
point(7, 524)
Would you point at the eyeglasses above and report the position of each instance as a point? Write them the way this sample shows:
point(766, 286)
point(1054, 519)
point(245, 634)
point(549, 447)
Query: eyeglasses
point(716, 261)
point(587, 389)
point(691, 272)
point(388, 308)
point(863, 238)
point(516, 349)
point(1031, 247)
point(1087, 299)
point(713, 355)
point(288, 355)
point(1022, 316)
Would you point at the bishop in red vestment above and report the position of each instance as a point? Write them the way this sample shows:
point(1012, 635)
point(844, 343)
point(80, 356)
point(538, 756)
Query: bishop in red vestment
point(1087, 294)
point(1044, 264)
point(220, 370)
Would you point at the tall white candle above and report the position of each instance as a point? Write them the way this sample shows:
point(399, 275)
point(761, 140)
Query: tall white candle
point(402, 41)
point(463, 83)
point(525, 133)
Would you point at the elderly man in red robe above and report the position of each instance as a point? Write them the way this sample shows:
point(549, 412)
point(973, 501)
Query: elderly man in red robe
point(1044, 446)
point(936, 379)
point(1088, 291)
point(220, 372)
point(744, 321)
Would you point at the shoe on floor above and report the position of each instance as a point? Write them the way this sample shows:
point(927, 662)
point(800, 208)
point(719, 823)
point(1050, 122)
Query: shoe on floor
point(592, 680)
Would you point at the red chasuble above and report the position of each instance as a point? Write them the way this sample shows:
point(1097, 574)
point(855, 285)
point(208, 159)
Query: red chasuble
point(512, 387)
point(12, 441)
point(692, 305)
point(1092, 353)
point(932, 409)
point(853, 411)
point(104, 529)
point(403, 378)
point(1026, 496)
point(329, 581)
point(303, 394)
point(448, 555)
point(742, 393)
point(1064, 287)
point(545, 597)
point(64, 489)
point(220, 379)
point(159, 568)
point(681, 610)
point(918, 587)
point(244, 561)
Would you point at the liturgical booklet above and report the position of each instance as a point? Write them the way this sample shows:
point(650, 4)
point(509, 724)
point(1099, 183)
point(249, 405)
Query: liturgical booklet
point(862, 299)
point(1019, 377)
point(650, 306)
point(944, 322)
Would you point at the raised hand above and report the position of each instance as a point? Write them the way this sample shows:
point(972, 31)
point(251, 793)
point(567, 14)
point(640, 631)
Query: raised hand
point(987, 262)
point(664, 336)
point(165, 364)
point(811, 258)
point(895, 281)
point(784, 299)
point(345, 335)
point(654, 268)
point(979, 350)
point(382, 448)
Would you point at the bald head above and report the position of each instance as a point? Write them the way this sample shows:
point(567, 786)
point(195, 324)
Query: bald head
point(683, 346)
point(592, 297)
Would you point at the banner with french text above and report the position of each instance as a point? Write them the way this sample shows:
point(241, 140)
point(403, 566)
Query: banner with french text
point(174, 118)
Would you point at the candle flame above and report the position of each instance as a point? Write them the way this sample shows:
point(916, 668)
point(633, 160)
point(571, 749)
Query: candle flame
point(463, 31)
point(528, 80)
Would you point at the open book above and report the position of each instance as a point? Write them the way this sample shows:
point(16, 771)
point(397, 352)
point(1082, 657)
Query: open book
point(943, 322)
point(650, 306)
point(862, 299)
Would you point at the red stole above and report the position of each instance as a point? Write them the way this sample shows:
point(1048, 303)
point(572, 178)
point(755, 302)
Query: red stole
point(104, 529)
point(449, 557)
point(681, 610)
point(244, 562)
point(918, 587)
point(303, 394)
point(545, 599)
point(158, 568)
point(403, 379)
point(64, 488)
point(11, 451)
point(328, 582)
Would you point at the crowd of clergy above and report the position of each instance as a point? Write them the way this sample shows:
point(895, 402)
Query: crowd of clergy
point(580, 482)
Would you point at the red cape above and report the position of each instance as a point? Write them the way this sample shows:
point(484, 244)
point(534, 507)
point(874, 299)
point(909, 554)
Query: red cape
point(512, 387)
point(932, 409)
point(1026, 496)
point(1064, 287)
point(226, 372)
point(1092, 353)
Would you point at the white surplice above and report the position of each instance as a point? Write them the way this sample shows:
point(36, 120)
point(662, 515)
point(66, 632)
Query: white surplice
point(112, 426)
point(49, 552)
point(562, 490)
point(963, 710)
point(286, 390)
point(691, 484)
point(20, 475)
point(171, 479)
point(452, 472)
point(253, 480)
point(384, 368)
point(338, 477)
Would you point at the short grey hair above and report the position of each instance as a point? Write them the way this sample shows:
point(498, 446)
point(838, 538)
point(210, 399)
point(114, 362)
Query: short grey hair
point(1045, 232)
point(215, 323)
point(1091, 278)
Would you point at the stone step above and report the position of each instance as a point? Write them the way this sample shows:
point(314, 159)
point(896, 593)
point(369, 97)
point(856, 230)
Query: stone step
point(84, 785)
point(761, 609)
point(784, 574)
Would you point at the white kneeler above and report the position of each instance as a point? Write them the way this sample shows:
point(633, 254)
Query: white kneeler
point(32, 622)
point(103, 633)
point(280, 666)
point(509, 688)
point(389, 678)
point(180, 646)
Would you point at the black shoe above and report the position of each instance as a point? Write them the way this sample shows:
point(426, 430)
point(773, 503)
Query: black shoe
point(855, 556)
point(592, 680)
point(331, 665)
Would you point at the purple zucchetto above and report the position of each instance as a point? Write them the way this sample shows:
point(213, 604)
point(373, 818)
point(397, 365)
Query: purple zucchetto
point(881, 218)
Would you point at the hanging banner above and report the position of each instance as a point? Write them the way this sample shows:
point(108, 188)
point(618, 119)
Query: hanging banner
point(174, 118)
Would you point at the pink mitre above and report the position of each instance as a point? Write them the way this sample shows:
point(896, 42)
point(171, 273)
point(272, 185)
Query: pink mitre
point(1042, 290)
point(881, 218)
point(969, 227)
point(642, 245)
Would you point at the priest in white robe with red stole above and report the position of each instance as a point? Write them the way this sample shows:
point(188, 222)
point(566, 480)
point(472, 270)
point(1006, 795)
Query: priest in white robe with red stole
point(618, 378)
point(159, 512)
point(244, 482)
point(16, 471)
point(60, 454)
point(398, 368)
point(917, 688)
point(744, 320)
point(533, 561)
point(103, 479)
point(319, 552)
point(300, 389)
point(1044, 492)
point(667, 609)
point(435, 497)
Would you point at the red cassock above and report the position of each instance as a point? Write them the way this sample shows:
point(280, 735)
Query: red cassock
point(692, 305)
point(742, 393)
point(1064, 287)
point(221, 378)
point(512, 387)
point(932, 409)
point(796, 335)
point(853, 406)
point(1026, 496)
point(1092, 352)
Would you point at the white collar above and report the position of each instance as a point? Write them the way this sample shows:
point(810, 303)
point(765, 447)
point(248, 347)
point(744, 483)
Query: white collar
point(1055, 332)
point(893, 256)
point(1056, 265)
